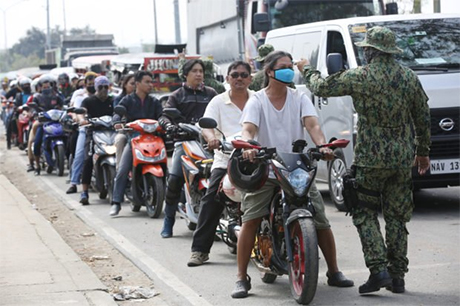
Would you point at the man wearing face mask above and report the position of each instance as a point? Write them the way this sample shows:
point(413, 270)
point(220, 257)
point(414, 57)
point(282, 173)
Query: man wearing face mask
point(276, 116)
point(77, 165)
point(392, 108)
point(45, 101)
point(98, 105)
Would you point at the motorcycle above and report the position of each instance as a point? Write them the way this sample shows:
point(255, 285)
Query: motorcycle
point(54, 139)
point(146, 185)
point(103, 154)
point(196, 167)
point(286, 241)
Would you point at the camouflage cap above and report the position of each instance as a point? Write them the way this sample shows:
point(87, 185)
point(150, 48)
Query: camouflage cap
point(380, 38)
point(264, 50)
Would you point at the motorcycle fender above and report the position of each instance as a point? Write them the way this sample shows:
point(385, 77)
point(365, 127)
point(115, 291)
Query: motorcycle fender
point(298, 214)
point(110, 160)
point(156, 170)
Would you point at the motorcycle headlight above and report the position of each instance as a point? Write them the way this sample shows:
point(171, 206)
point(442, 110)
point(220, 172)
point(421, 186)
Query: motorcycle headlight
point(149, 128)
point(299, 180)
point(149, 159)
point(110, 149)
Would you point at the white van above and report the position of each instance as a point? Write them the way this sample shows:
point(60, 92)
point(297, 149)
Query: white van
point(431, 44)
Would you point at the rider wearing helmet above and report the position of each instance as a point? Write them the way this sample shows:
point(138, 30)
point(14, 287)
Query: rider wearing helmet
point(21, 99)
point(278, 115)
point(65, 88)
point(45, 101)
point(226, 109)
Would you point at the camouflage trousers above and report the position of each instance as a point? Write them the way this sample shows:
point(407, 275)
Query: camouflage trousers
point(396, 204)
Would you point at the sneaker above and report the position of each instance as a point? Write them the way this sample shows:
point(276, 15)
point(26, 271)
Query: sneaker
point(115, 209)
point(197, 259)
point(72, 189)
point(242, 288)
point(84, 198)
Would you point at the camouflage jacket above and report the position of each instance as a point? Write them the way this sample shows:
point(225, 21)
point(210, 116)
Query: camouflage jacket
point(390, 103)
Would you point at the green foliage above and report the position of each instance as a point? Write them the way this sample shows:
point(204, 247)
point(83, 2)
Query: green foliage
point(122, 50)
point(148, 47)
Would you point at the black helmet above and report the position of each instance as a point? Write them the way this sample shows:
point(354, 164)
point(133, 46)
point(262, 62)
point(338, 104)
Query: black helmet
point(244, 175)
point(63, 78)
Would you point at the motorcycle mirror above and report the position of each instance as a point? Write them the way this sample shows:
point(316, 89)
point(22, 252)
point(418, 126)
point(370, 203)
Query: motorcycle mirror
point(120, 110)
point(207, 123)
point(71, 109)
point(80, 111)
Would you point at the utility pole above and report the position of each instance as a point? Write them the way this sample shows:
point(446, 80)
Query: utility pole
point(63, 11)
point(155, 21)
point(177, 21)
point(48, 38)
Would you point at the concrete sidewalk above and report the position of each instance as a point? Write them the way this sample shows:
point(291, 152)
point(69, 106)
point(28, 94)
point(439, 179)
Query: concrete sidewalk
point(36, 266)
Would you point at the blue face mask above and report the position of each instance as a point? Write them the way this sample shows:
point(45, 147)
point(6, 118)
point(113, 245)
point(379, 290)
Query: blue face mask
point(46, 91)
point(284, 75)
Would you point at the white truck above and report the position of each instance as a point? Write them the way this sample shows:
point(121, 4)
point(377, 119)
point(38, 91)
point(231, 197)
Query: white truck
point(431, 45)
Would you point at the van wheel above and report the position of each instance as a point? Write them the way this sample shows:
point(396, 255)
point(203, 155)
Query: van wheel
point(336, 169)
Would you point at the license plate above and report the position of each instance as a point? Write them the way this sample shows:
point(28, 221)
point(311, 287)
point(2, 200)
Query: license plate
point(444, 166)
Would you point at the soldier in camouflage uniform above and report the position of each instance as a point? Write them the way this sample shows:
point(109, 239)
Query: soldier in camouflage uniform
point(389, 100)
point(209, 79)
point(258, 79)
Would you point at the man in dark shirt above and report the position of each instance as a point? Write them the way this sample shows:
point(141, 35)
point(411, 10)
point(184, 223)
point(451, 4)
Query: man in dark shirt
point(99, 105)
point(191, 100)
point(45, 101)
point(138, 105)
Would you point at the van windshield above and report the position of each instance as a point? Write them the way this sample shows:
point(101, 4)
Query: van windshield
point(427, 44)
point(305, 11)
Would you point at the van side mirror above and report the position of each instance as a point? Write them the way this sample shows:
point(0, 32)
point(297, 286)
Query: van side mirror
point(261, 22)
point(334, 63)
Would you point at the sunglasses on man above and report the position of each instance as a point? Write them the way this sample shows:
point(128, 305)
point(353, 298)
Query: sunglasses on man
point(100, 87)
point(243, 75)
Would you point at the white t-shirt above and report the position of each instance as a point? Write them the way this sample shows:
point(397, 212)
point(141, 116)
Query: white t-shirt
point(278, 128)
point(78, 96)
point(227, 116)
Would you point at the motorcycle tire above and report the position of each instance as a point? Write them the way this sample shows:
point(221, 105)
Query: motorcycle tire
point(336, 169)
point(59, 153)
point(110, 178)
point(268, 278)
point(155, 196)
point(303, 270)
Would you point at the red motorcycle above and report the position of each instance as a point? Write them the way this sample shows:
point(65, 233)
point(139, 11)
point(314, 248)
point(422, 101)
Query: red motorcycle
point(146, 185)
point(24, 126)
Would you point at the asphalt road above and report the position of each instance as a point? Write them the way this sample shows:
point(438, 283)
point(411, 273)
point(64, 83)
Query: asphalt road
point(434, 253)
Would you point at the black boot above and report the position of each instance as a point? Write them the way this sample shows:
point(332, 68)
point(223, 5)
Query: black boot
point(375, 282)
point(397, 285)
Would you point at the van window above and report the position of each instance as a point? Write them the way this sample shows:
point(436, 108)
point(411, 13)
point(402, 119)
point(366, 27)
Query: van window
point(306, 45)
point(335, 45)
point(426, 43)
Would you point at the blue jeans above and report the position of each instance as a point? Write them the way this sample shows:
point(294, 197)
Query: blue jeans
point(79, 158)
point(121, 178)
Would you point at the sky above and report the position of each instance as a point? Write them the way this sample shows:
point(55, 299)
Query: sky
point(130, 21)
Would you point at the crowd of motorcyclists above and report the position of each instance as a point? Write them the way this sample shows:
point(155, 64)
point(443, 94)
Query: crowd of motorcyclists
point(82, 100)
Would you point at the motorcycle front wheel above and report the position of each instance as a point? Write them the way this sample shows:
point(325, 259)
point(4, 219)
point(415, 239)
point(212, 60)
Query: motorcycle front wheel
point(59, 153)
point(303, 270)
point(155, 196)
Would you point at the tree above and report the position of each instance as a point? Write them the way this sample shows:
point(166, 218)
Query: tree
point(80, 31)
